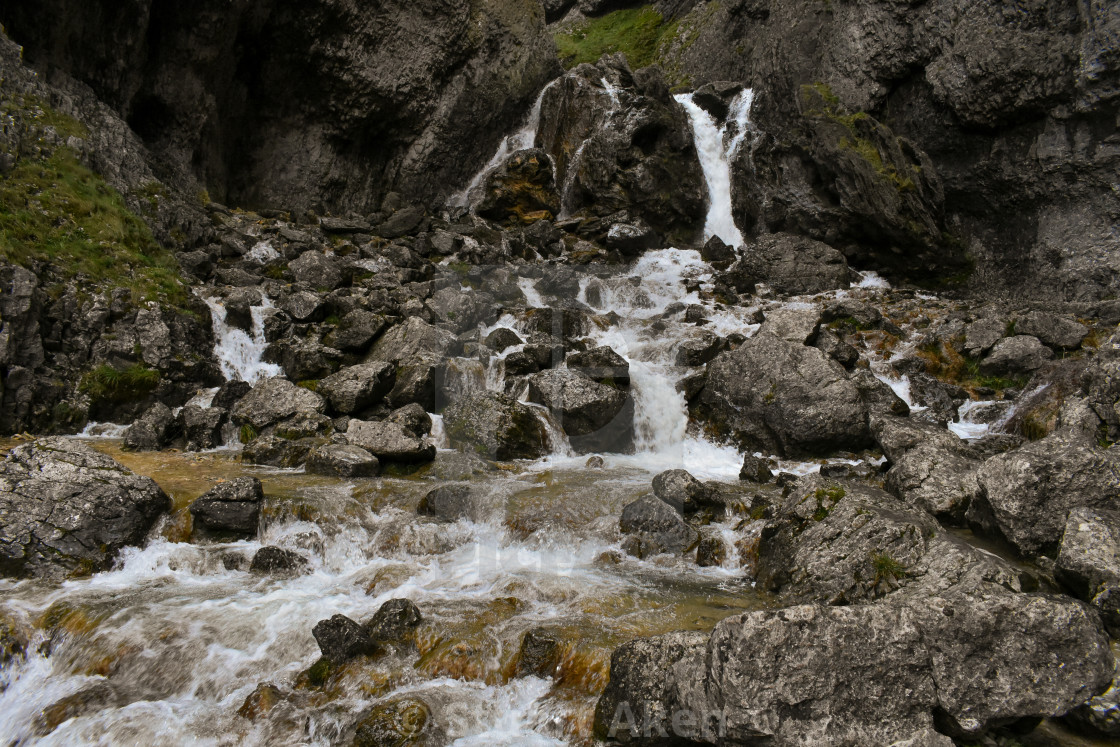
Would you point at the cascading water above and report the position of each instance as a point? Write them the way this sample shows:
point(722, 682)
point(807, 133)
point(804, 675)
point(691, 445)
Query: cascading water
point(524, 138)
point(239, 353)
point(716, 147)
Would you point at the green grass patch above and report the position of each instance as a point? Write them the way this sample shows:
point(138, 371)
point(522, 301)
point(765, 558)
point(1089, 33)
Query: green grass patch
point(108, 384)
point(638, 33)
point(887, 567)
point(59, 212)
point(28, 104)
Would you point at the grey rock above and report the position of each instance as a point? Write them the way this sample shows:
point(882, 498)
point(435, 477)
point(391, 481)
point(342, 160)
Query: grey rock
point(342, 460)
point(896, 436)
point(540, 653)
point(1101, 715)
point(502, 339)
point(231, 507)
point(797, 324)
point(631, 239)
point(790, 265)
point(601, 364)
point(66, 509)
point(304, 306)
point(303, 359)
point(395, 621)
point(654, 527)
point(877, 395)
point(757, 469)
point(585, 408)
point(1017, 355)
point(202, 427)
point(279, 562)
point(830, 343)
point(495, 426)
point(273, 400)
point(1057, 332)
point(696, 351)
point(356, 330)
point(1026, 494)
point(230, 393)
point(389, 442)
point(414, 419)
point(341, 639)
point(357, 388)
point(782, 398)
point(939, 480)
point(153, 431)
point(303, 425)
point(682, 491)
point(273, 451)
point(983, 334)
point(1089, 560)
point(451, 502)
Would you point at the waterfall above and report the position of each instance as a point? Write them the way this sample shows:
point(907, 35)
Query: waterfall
point(240, 354)
point(716, 146)
point(524, 138)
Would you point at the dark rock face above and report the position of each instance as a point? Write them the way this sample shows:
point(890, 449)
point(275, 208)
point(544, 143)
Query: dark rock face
point(495, 426)
point(230, 507)
point(277, 561)
point(791, 265)
point(539, 653)
point(784, 398)
point(66, 509)
point(595, 416)
point(406, 105)
point(653, 527)
point(152, 431)
point(202, 427)
point(523, 190)
point(340, 638)
point(1026, 494)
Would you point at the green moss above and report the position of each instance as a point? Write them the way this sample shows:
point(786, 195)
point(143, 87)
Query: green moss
point(639, 33)
point(108, 384)
point(247, 434)
point(826, 499)
point(887, 567)
point(59, 212)
point(43, 115)
point(311, 385)
point(319, 672)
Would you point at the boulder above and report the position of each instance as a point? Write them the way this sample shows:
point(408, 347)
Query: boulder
point(1057, 332)
point(896, 436)
point(1015, 356)
point(389, 442)
point(502, 339)
point(522, 190)
point(231, 507)
point(496, 426)
point(631, 239)
point(462, 309)
point(601, 364)
point(938, 480)
point(832, 345)
point(357, 388)
point(356, 330)
point(406, 721)
point(304, 306)
point(877, 395)
point(418, 350)
point(202, 427)
point(317, 270)
point(595, 416)
point(1026, 495)
point(796, 323)
point(273, 400)
point(1089, 561)
point(342, 460)
point(696, 351)
point(757, 469)
point(412, 418)
point(66, 509)
point(230, 393)
point(279, 562)
point(303, 359)
point(1101, 715)
point(540, 653)
point(274, 451)
point(778, 397)
point(682, 491)
point(341, 639)
point(394, 622)
point(654, 527)
point(152, 431)
point(789, 265)
point(983, 334)
point(452, 501)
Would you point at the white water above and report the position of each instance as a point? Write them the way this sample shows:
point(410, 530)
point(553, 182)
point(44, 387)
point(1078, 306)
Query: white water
point(716, 147)
point(240, 354)
point(524, 138)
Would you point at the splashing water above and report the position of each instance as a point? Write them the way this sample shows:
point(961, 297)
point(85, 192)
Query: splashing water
point(240, 354)
point(716, 147)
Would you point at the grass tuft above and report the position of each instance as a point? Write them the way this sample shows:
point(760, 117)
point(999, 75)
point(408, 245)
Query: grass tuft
point(639, 33)
point(108, 384)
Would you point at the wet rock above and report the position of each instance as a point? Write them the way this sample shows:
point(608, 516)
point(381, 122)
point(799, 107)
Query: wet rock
point(522, 190)
point(231, 507)
point(1026, 494)
point(418, 350)
point(273, 400)
point(412, 418)
point(341, 639)
point(794, 323)
point(274, 451)
point(303, 425)
point(877, 395)
point(202, 427)
point(154, 430)
point(395, 622)
point(789, 265)
point(230, 393)
point(1057, 332)
point(407, 722)
point(342, 460)
point(1101, 715)
point(90, 699)
point(697, 351)
point(68, 510)
point(711, 550)
point(403, 222)
point(259, 702)
point(356, 330)
point(715, 251)
point(830, 343)
point(654, 527)
point(302, 359)
point(451, 502)
point(942, 398)
point(357, 388)
point(317, 270)
point(540, 653)
point(389, 442)
point(601, 364)
point(896, 436)
point(757, 469)
point(495, 426)
point(631, 239)
point(13, 640)
point(1089, 561)
point(682, 491)
point(462, 310)
point(781, 398)
point(941, 481)
point(502, 339)
point(279, 562)
point(595, 462)
point(1017, 355)
point(593, 415)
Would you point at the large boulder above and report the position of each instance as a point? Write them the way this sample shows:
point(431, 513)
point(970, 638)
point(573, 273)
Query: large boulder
point(356, 388)
point(273, 400)
point(522, 190)
point(317, 270)
point(1025, 495)
point(898, 435)
point(783, 398)
point(66, 509)
point(342, 460)
point(496, 426)
point(941, 481)
point(418, 350)
point(652, 527)
point(389, 442)
point(1089, 560)
point(231, 507)
point(152, 431)
point(1052, 330)
point(452, 501)
point(595, 416)
point(202, 426)
point(1015, 356)
point(789, 265)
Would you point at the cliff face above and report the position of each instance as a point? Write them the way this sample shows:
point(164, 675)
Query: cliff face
point(329, 105)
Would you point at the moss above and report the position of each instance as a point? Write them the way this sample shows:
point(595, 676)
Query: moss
point(44, 115)
point(59, 212)
point(638, 33)
point(108, 384)
point(319, 672)
point(311, 385)
point(247, 434)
